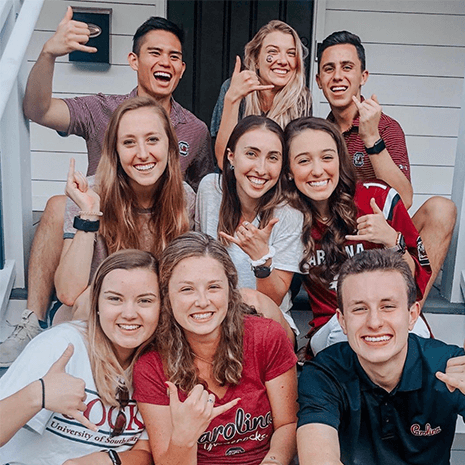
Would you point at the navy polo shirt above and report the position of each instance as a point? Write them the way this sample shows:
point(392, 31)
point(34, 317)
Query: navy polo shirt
point(413, 424)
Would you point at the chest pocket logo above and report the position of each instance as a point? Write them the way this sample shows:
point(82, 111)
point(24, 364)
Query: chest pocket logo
point(358, 159)
point(183, 148)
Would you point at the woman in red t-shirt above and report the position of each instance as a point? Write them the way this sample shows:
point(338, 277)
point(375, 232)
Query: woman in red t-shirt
point(342, 218)
point(220, 385)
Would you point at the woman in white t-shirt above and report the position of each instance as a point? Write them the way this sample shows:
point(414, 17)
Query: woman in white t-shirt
point(244, 209)
point(68, 396)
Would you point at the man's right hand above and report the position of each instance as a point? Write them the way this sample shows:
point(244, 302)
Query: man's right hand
point(69, 36)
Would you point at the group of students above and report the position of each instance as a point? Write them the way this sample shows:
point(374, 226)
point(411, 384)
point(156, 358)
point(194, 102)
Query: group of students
point(189, 335)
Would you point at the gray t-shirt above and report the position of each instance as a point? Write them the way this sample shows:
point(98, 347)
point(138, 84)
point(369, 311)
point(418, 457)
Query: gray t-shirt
point(285, 237)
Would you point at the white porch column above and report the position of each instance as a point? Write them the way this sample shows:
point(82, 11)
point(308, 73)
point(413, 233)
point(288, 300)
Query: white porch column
point(453, 281)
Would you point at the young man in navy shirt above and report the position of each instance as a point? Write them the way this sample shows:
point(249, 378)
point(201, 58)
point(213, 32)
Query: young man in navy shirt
point(385, 396)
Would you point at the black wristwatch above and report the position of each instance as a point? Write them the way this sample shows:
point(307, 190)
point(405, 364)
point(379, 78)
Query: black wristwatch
point(377, 148)
point(85, 225)
point(114, 457)
point(261, 271)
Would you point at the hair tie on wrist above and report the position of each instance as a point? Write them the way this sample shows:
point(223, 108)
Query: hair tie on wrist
point(90, 213)
point(262, 261)
point(43, 392)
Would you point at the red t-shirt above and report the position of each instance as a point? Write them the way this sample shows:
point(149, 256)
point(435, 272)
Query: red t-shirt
point(323, 299)
point(242, 434)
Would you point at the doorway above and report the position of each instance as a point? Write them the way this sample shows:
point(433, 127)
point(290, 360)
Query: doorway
point(216, 31)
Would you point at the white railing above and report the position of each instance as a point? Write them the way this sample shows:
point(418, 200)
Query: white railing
point(17, 21)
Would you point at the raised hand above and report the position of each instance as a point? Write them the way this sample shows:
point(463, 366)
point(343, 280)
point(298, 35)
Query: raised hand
point(244, 82)
point(69, 36)
point(370, 113)
point(253, 241)
point(374, 228)
point(454, 377)
point(78, 190)
point(64, 393)
point(192, 417)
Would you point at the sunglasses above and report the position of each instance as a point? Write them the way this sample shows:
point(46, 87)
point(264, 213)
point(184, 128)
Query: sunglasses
point(122, 395)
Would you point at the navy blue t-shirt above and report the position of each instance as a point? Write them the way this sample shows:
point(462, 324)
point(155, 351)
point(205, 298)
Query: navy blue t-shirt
point(413, 424)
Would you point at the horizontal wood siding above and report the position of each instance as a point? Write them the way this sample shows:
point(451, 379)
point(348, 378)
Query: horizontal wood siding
point(416, 59)
point(50, 153)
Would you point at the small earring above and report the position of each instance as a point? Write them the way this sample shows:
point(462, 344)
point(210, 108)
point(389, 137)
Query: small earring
point(231, 166)
point(290, 178)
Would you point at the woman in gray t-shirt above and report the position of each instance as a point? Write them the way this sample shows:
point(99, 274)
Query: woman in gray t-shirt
point(244, 209)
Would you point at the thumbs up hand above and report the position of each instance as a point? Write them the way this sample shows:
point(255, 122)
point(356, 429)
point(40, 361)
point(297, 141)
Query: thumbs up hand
point(64, 393)
point(374, 228)
point(69, 36)
point(253, 241)
point(244, 82)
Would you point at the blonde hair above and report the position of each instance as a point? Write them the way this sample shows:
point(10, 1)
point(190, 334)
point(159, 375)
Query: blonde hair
point(294, 99)
point(119, 224)
point(107, 372)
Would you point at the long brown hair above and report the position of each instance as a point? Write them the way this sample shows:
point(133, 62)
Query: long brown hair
point(294, 99)
point(107, 372)
point(171, 341)
point(230, 209)
point(120, 222)
point(343, 211)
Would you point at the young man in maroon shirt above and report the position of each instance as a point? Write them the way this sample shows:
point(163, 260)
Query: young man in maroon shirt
point(157, 59)
point(376, 142)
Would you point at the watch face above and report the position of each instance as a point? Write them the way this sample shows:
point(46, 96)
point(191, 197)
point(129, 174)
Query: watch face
point(262, 271)
point(401, 243)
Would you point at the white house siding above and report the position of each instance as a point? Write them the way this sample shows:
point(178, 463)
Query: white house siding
point(416, 58)
point(50, 153)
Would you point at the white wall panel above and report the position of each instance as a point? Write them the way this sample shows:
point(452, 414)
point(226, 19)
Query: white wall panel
point(43, 138)
point(432, 180)
point(431, 150)
point(399, 28)
point(418, 6)
point(52, 166)
point(415, 60)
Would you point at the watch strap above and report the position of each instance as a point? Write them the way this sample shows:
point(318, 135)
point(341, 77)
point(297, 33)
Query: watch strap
point(86, 225)
point(378, 147)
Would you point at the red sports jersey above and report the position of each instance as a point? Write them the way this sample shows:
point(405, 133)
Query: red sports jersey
point(323, 300)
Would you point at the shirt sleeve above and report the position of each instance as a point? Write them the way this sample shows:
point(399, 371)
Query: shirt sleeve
point(394, 138)
point(81, 111)
point(320, 399)
point(218, 110)
point(286, 239)
point(278, 353)
point(149, 380)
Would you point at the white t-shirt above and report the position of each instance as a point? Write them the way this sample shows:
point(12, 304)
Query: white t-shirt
point(285, 237)
point(50, 438)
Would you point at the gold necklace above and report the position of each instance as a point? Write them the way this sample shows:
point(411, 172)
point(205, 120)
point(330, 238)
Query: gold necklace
point(201, 358)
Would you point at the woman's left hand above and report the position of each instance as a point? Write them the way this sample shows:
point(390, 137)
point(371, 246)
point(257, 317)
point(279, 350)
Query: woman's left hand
point(374, 228)
point(192, 417)
point(253, 241)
